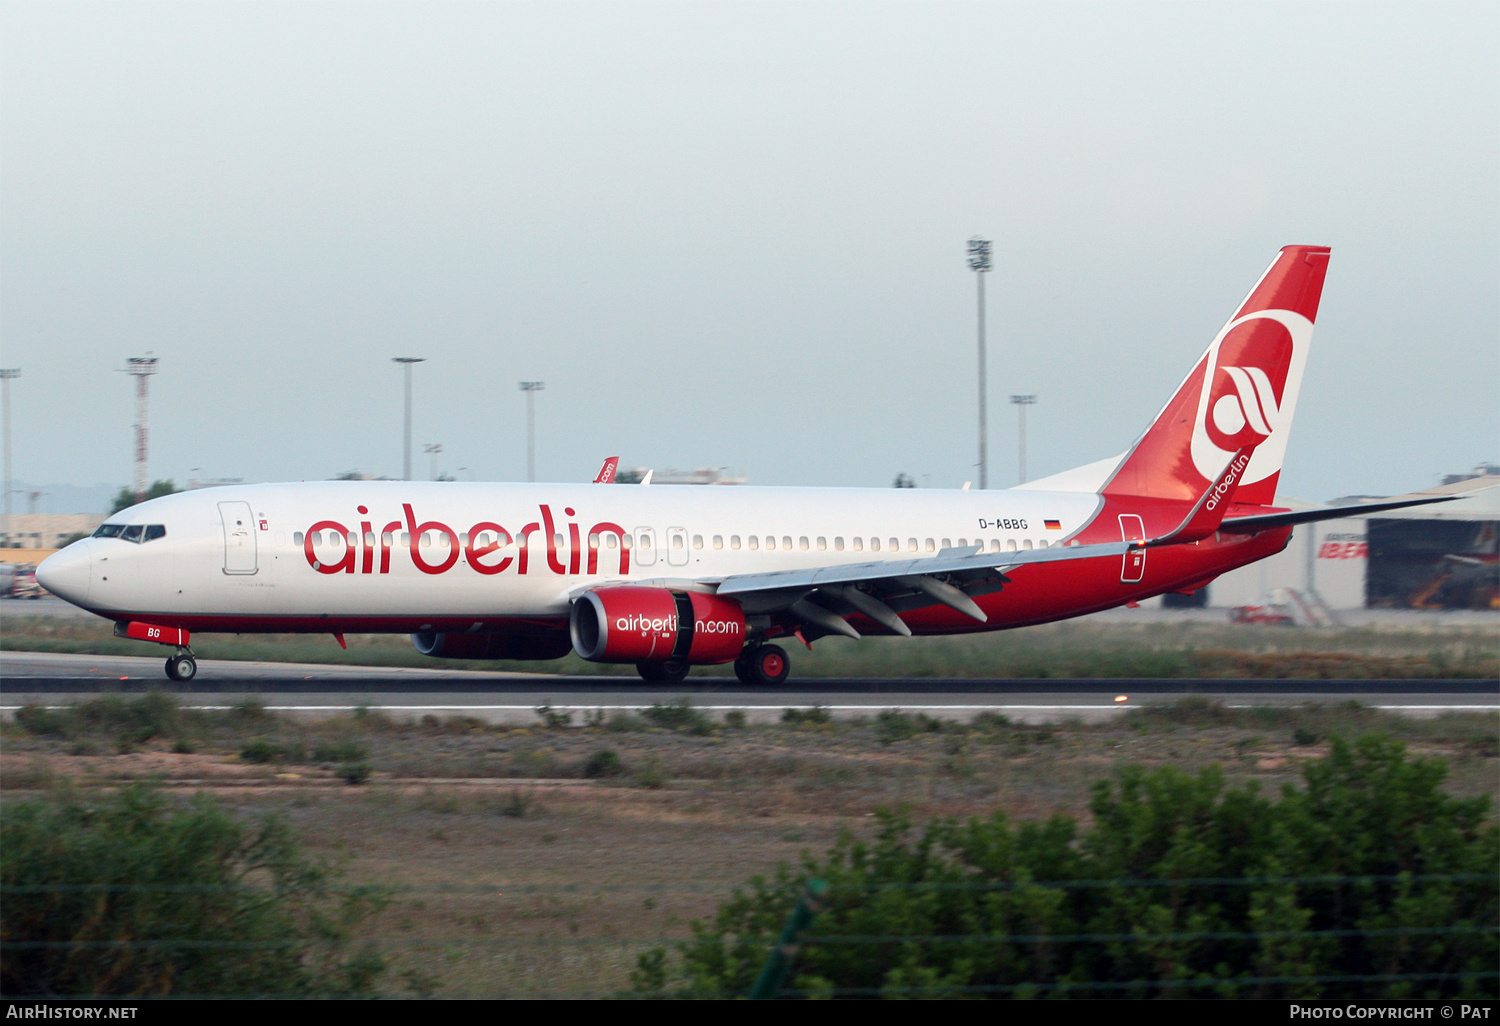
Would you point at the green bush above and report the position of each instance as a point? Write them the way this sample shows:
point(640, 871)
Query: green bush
point(679, 716)
point(603, 763)
point(132, 894)
point(340, 751)
point(893, 725)
point(554, 719)
point(816, 716)
point(260, 749)
point(1370, 882)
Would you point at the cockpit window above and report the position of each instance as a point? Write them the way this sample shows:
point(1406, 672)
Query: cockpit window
point(132, 532)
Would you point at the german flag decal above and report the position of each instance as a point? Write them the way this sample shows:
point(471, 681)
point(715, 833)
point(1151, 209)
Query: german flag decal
point(1054, 525)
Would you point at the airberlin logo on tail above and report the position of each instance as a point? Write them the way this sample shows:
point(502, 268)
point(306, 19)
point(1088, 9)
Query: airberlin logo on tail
point(1248, 392)
point(332, 547)
point(1252, 405)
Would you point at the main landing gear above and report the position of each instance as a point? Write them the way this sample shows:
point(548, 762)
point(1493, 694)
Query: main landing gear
point(669, 671)
point(182, 666)
point(759, 665)
point(762, 665)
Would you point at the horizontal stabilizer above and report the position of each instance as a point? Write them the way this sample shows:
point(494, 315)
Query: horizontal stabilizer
point(1263, 521)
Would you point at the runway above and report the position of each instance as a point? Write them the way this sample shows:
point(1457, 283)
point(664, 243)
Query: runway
point(319, 690)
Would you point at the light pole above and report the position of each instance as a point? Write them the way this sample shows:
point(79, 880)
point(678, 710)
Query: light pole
point(6, 373)
point(406, 449)
point(979, 263)
point(141, 368)
point(531, 388)
point(433, 450)
point(1023, 401)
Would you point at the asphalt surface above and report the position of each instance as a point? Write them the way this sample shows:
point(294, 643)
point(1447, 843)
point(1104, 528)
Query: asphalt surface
point(321, 689)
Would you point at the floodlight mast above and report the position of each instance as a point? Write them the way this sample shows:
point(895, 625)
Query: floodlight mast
point(1022, 401)
point(979, 263)
point(407, 361)
point(141, 368)
point(6, 373)
point(531, 388)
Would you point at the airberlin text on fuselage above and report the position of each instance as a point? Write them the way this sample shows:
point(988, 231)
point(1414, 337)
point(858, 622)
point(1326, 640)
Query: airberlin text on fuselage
point(360, 556)
point(668, 625)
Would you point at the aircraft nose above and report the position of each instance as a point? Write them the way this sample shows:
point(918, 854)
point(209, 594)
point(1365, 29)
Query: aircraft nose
point(67, 573)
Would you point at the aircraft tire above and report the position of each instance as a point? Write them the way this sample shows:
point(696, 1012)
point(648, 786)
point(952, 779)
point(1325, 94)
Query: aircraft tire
point(182, 667)
point(662, 672)
point(763, 665)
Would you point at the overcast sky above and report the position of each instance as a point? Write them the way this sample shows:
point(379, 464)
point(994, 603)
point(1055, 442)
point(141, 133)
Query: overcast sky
point(733, 234)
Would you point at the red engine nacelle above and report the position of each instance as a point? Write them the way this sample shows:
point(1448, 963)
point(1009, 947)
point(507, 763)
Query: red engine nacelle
point(630, 624)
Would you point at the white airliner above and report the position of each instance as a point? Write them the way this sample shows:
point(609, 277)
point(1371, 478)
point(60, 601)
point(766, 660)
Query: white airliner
point(667, 578)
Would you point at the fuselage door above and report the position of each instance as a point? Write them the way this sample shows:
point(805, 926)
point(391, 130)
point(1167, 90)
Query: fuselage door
point(677, 546)
point(1132, 529)
point(645, 546)
point(239, 537)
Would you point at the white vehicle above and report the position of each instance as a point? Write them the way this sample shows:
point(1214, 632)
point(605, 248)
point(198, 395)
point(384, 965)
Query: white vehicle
point(666, 578)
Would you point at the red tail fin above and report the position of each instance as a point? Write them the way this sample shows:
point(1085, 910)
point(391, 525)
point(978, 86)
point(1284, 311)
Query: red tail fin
point(1242, 393)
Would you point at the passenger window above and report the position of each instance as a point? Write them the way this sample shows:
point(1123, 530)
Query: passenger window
point(426, 542)
point(463, 538)
point(874, 544)
point(994, 544)
point(802, 544)
point(947, 543)
point(822, 543)
point(754, 542)
point(734, 541)
point(610, 541)
point(963, 543)
point(405, 540)
point(718, 541)
point(676, 541)
point(1042, 544)
point(838, 543)
point(1026, 544)
point(296, 537)
point(370, 539)
point(697, 541)
point(930, 546)
point(1011, 545)
point(859, 545)
point(786, 542)
point(911, 545)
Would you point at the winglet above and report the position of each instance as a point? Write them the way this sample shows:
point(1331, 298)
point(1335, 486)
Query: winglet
point(606, 473)
point(1208, 512)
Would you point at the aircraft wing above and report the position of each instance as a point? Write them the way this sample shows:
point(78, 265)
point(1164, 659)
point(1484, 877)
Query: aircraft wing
point(824, 596)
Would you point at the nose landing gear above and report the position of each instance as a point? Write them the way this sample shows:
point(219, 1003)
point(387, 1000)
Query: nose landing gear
point(182, 666)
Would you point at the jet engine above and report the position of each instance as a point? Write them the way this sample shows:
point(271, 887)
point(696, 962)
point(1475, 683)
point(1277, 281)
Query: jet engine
point(549, 645)
point(633, 624)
